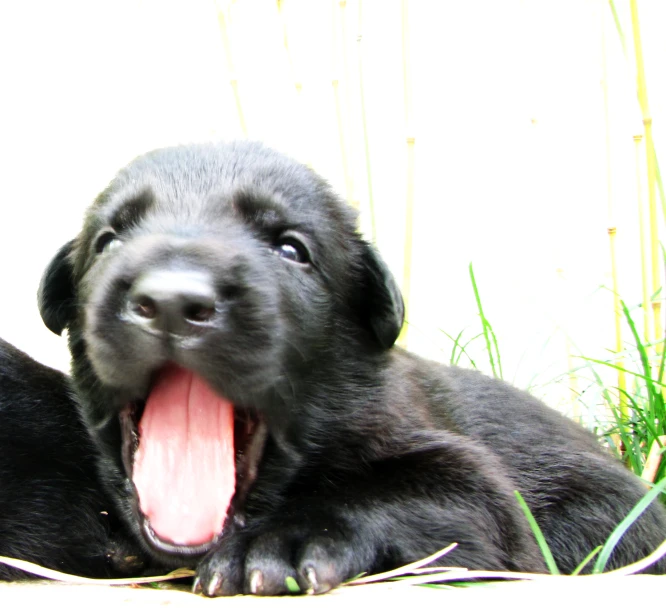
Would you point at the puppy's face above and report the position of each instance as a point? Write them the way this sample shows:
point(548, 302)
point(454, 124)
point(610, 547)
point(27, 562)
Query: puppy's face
point(212, 291)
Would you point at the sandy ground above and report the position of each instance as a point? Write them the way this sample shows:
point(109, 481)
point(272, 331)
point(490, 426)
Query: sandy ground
point(547, 595)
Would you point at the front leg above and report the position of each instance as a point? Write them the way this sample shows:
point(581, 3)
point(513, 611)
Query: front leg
point(396, 511)
point(318, 558)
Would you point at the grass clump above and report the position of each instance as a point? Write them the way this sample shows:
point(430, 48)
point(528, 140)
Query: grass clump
point(633, 421)
point(637, 431)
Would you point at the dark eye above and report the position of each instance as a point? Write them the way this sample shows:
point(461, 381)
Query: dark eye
point(106, 241)
point(292, 249)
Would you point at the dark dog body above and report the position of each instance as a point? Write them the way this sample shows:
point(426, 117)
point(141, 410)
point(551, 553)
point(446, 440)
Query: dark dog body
point(237, 267)
point(53, 510)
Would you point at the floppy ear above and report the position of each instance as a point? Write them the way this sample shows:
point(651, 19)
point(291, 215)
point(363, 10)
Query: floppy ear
point(382, 307)
point(55, 296)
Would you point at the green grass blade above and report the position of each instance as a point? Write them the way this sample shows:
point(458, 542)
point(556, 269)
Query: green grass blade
point(292, 585)
point(541, 540)
point(586, 560)
point(487, 329)
point(496, 349)
point(456, 344)
point(597, 361)
point(633, 455)
point(645, 361)
point(622, 528)
point(618, 26)
point(462, 347)
point(643, 419)
point(662, 361)
point(620, 426)
point(639, 566)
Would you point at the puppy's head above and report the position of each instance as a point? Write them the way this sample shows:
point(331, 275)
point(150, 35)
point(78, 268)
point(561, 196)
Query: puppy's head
point(212, 291)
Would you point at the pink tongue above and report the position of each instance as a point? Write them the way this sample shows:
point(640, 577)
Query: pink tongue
point(184, 467)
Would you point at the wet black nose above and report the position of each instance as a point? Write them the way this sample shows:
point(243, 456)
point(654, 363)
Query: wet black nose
point(176, 302)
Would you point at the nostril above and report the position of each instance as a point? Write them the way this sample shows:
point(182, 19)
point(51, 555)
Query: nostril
point(178, 302)
point(198, 312)
point(145, 307)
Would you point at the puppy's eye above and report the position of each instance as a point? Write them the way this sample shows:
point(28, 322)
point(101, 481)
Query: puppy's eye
point(292, 249)
point(107, 241)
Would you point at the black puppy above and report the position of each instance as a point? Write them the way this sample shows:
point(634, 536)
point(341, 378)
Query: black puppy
point(53, 511)
point(232, 338)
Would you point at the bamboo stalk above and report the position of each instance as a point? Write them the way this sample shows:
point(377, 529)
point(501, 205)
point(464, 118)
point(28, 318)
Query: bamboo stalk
point(335, 82)
point(340, 50)
point(571, 367)
point(638, 138)
point(654, 459)
point(224, 21)
point(410, 143)
point(297, 79)
point(651, 172)
point(617, 308)
point(366, 138)
point(612, 234)
point(660, 185)
point(574, 388)
point(285, 40)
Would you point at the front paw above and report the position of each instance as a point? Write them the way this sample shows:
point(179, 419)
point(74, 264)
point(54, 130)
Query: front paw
point(262, 564)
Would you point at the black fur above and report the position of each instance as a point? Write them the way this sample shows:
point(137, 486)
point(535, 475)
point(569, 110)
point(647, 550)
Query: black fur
point(53, 511)
point(374, 457)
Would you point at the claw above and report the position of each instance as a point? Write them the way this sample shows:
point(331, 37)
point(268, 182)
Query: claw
point(256, 581)
point(214, 584)
point(316, 586)
point(311, 577)
point(196, 586)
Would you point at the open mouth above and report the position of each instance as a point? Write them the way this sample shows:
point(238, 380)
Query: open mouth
point(192, 457)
